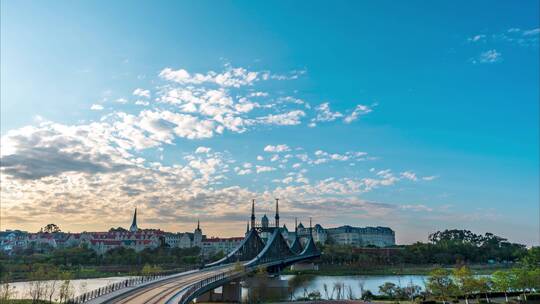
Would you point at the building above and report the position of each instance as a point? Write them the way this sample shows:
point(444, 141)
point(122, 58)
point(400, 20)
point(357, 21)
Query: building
point(135, 238)
point(185, 239)
point(355, 236)
point(225, 245)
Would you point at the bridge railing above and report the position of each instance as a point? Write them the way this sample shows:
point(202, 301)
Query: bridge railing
point(90, 295)
point(210, 280)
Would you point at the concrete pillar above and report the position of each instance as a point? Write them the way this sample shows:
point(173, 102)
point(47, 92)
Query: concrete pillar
point(304, 266)
point(232, 292)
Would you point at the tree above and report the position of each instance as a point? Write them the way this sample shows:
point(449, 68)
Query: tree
point(389, 289)
point(66, 290)
point(503, 281)
point(483, 285)
point(410, 291)
point(7, 292)
point(532, 259)
point(37, 286)
point(367, 295)
point(440, 284)
point(51, 285)
point(465, 281)
point(51, 228)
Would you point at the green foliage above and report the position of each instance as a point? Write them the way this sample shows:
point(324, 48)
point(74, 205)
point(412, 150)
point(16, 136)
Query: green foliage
point(464, 281)
point(85, 263)
point(74, 256)
point(151, 270)
point(502, 280)
point(388, 289)
point(440, 285)
point(447, 247)
point(532, 259)
point(50, 228)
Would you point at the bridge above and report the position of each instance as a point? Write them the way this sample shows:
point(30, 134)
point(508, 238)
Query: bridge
point(251, 255)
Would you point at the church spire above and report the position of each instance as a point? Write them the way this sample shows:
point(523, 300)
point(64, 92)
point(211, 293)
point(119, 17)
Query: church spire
point(277, 212)
point(296, 226)
point(247, 227)
point(252, 214)
point(198, 224)
point(134, 227)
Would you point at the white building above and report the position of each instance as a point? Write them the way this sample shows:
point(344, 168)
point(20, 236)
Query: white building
point(355, 236)
point(215, 245)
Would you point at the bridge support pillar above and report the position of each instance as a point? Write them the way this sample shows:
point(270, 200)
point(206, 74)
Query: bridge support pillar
point(304, 266)
point(232, 292)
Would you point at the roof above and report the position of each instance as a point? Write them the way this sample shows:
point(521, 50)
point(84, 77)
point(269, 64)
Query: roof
point(218, 240)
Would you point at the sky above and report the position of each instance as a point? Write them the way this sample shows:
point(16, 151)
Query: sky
point(416, 115)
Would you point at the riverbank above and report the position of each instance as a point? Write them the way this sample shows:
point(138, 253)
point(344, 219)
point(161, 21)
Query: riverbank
point(343, 270)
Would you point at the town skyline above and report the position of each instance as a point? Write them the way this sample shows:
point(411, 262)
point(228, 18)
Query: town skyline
point(357, 115)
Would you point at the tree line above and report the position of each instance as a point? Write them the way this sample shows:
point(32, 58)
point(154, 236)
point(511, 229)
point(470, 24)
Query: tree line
point(446, 247)
point(85, 262)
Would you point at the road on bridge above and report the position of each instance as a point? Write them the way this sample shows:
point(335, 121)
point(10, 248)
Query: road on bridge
point(163, 291)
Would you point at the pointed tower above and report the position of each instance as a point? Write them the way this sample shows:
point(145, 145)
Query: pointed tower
point(247, 228)
point(310, 229)
point(277, 213)
point(134, 227)
point(253, 214)
point(197, 235)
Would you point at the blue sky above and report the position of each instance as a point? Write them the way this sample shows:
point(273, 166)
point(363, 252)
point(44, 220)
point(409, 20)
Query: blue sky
point(415, 115)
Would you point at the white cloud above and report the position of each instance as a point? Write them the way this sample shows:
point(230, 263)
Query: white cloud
point(324, 113)
point(258, 94)
point(285, 119)
point(121, 100)
point(277, 148)
point(416, 208)
point(262, 169)
point(260, 158)
point(490, 56)
point(477, 38)
point(96, 107)
point(141, 93)
point(202, 149)
point(244, 171)
point(142, 103)
point(358, 111)
point(430, 178)
point(232, 77)
point(409, 175)
point(531, 32)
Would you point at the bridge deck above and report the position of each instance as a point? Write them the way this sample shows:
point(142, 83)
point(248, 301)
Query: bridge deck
point(159, 292)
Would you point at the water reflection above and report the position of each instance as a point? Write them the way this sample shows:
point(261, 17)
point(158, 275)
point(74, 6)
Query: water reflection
point(295, 287)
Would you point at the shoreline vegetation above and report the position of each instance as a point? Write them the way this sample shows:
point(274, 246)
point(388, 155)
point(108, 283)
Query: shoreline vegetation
point(350, 270)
